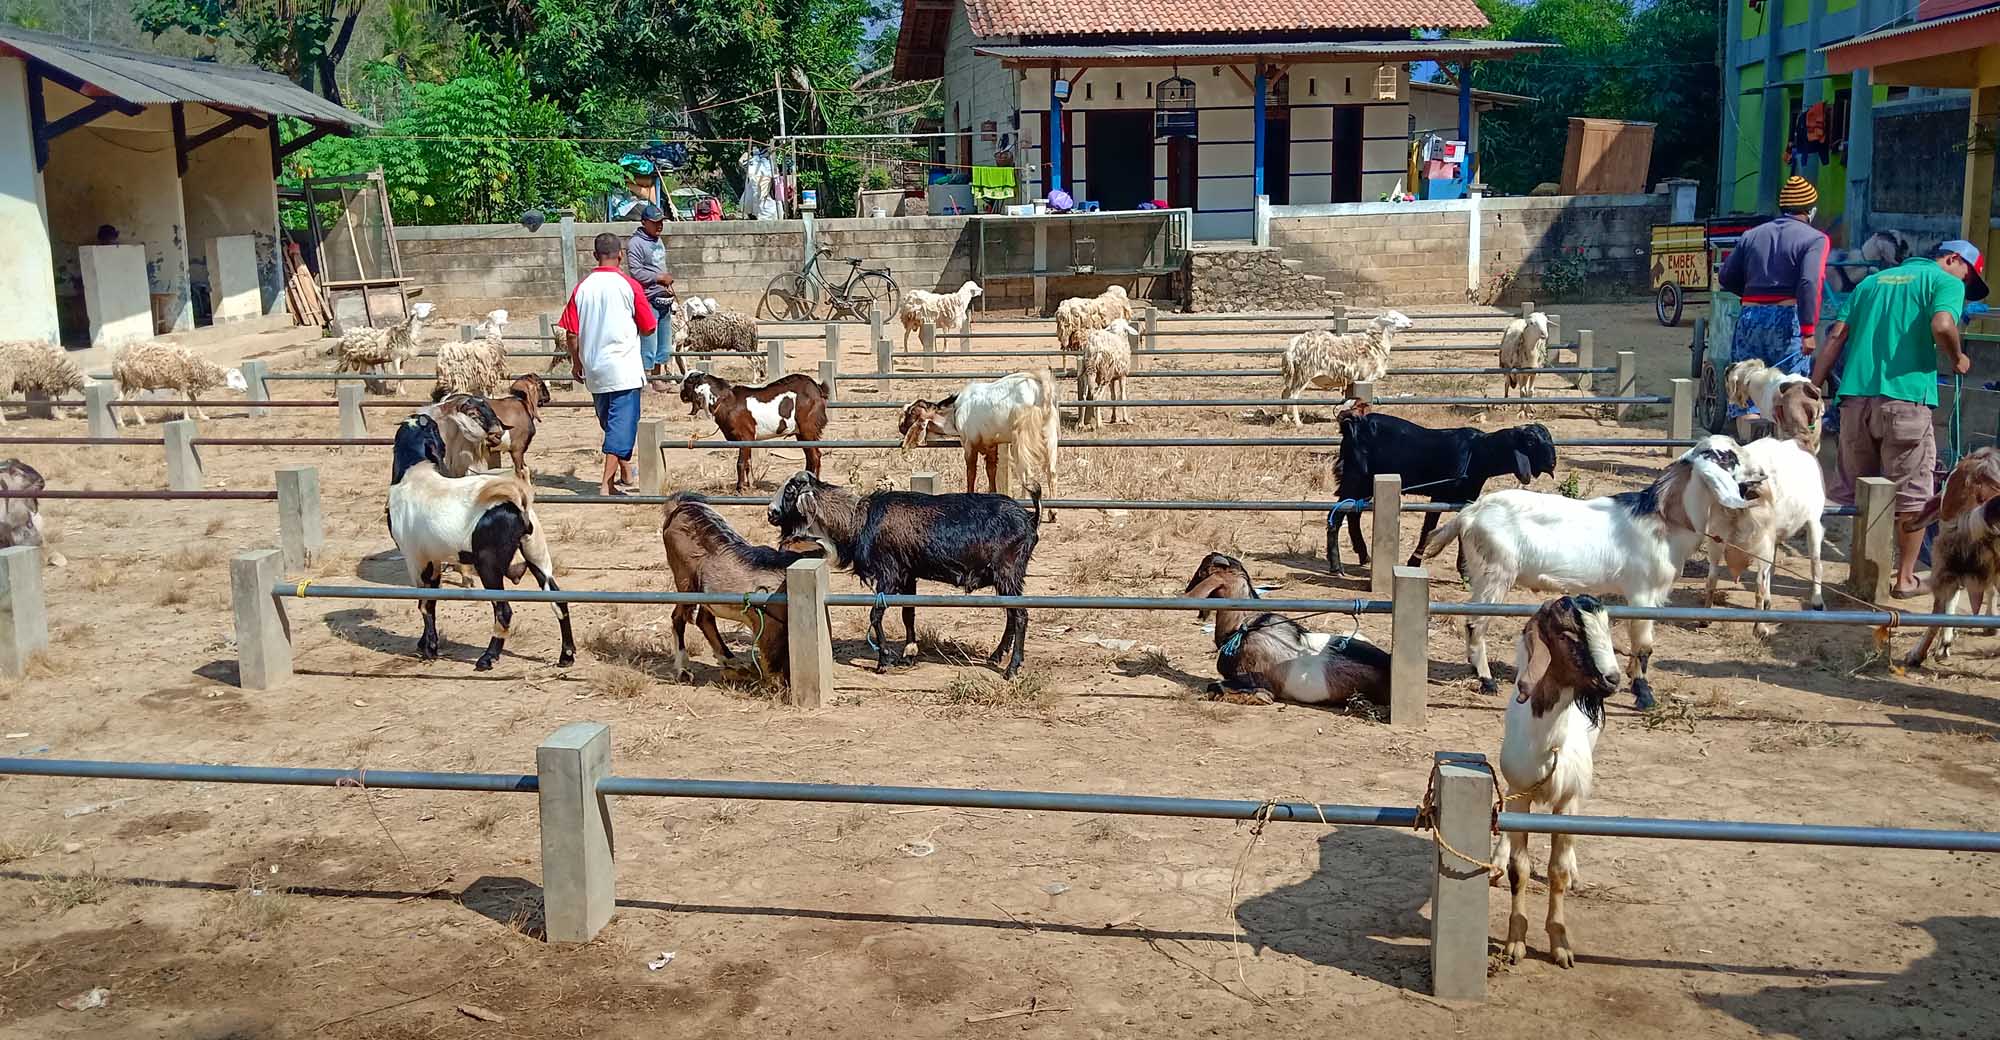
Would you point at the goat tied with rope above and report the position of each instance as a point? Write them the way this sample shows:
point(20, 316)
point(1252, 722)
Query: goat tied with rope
point(1265, 657)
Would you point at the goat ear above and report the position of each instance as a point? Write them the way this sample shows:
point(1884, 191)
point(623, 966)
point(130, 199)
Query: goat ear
point(1524, 467)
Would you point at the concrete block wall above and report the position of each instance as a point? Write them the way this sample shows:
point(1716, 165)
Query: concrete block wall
point(1615, 232)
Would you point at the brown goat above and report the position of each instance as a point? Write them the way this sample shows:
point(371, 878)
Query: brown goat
point(793, 405)
point(707, 555)
point(520, 411)
point(1966, 553)
point(1266, 657)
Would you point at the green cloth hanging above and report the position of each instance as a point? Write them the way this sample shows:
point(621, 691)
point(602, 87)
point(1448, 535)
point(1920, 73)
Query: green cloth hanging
point(993, 182)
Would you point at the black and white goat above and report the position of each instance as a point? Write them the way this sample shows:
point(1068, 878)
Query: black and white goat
point(484, 520)
point(21, 518)
point(1564, 668)
point(1450, 465)
point(1631, 544)
point(1266, 657)
point(893, 539)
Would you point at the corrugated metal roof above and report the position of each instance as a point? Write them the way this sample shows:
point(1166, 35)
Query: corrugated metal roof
point(1026, 18)
point(152, 79)
point(1370, 50)
point(1903, 30)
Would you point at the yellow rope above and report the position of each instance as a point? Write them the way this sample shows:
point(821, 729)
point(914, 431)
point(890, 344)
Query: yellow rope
point(300, 592)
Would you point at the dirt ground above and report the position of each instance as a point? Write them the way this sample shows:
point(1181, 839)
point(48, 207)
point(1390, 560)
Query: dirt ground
point(219, 911)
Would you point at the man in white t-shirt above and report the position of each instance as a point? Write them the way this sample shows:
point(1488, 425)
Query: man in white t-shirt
point(606, 316)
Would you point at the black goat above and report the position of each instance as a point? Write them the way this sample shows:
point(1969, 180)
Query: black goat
point(1451, 465)
point(893, 539)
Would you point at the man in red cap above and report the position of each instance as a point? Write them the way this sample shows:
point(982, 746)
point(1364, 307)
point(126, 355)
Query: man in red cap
point(1885, 344)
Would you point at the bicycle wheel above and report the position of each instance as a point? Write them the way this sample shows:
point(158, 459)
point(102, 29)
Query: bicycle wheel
point(789, 297)
point(872, 289)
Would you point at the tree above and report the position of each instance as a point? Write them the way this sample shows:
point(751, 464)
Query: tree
point(305, 41)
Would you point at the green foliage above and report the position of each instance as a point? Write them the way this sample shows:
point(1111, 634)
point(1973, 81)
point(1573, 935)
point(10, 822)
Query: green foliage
point(300, 41)
point(1567, 274)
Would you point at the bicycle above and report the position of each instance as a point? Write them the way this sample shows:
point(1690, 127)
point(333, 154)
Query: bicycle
point(806, 294)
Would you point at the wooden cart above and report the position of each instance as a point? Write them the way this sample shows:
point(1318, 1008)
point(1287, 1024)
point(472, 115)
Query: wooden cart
point(1681, 269)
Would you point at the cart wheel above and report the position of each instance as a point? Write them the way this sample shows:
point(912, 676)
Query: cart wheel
point(1711, 408)
point(1668, 303)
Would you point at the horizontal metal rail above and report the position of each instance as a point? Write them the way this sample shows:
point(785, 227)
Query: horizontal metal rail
point(1160, 442)
point(294, 442)
point(226, 402)
point(1225, 373)
point(1763, 833)
point(1136, 505)
point(1232, 402)
point(139, 441)
point(144, 496)
point(281, 775)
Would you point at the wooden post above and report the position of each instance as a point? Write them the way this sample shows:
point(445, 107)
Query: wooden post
point(263, 633)
point(24, 616)
point(809, 633)
point(578, 879)
point(1459, 888)
point(648, 456)
point(1409, 646)
point(1680, 417)
point(1627, 384)
point(1384, 539)
point(1872, 559)
point(183, 462)
point(301, 534)
point(1976, 211)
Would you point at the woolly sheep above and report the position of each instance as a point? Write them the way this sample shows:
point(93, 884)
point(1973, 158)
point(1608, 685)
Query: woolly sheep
point(165, 366)
point(368, 349)
point(710, 328)
point(1331, 361)
point(946, 311)
point(1106, 361)
point(477, 366)
point(1078, 316)
point(37, 368)
point(1524, 344)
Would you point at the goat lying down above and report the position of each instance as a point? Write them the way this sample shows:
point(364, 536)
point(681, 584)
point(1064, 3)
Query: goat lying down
point(1564, 669)
point(481, 520)
point(707, 555)
point(1264, 657)
point(1632, 544)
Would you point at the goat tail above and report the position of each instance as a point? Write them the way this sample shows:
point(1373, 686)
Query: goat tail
point(511, 491)
point(1034, 429)
point(1446, 534)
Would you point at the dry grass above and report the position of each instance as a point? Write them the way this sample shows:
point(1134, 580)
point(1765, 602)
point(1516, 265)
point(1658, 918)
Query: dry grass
point(61, 893)
point(623, 683)
point(1803, 736)
point(193, 558)
point(970, 693)
point(101, 575)
point(255, 909)
point(74, 632)
point(170, 594)
point(1196, 704)
point(1676, 713)
point(950, 649)
point(643, 739)
point(12, 849)
point(214, 527)
point(484, 821)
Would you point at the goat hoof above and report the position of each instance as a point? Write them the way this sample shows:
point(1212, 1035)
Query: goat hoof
point(1816, 606)
point(1642, 695)
point(1517, 950)
point(685, 677)
point(426, 653)
point(1487, 685)
point(1765, 629)
point(485, 662)
point(568, 658)
point(1563, 956)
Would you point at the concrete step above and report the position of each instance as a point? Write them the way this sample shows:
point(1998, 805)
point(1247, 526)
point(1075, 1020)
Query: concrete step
point(1291, 264)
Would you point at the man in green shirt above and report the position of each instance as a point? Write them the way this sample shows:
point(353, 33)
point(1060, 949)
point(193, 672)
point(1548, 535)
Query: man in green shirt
point(1886, 343)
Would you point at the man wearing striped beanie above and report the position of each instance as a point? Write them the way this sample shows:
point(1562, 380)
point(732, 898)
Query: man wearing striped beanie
point(1778, 269)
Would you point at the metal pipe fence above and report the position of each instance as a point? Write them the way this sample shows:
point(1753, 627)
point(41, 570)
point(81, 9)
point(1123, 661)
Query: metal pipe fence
point(100, 441)
point(144, 496)
point(1341, 507)
point(1160, 442)
point(1547, 401)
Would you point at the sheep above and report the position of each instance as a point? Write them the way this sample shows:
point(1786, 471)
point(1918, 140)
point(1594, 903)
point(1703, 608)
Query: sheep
point(1965, 556)
point(367, 349)
point(1106, 361)
point(37, 368)
point(1792, 404)
point(710, 328)
point(893, 539)
point(1448, 465)
point(1019, 409)
point(1632, 544)
point(948, 312)
point(484, 520)
point(1077, 317)
point(21, 518)
point(1524, 345)
point(1334, 362)
point(153, 365)
point(520, 411)
point(1791, 497)
point(474, 366)
point(707, 555)
point(794, 405)
point(1265, 657)
point(1565, 666)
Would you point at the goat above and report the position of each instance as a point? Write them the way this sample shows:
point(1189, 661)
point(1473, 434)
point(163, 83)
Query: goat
point(519, 412)
point(1565, 667)
point(1331, 361)
point(792, 405)
point(470, 428)
point(1524, 345)
point(1078, 317)
point(153, 365)
point(1019, 409)
point(948, 312)
point(1965, 556)
point(1791, 403)
point(476, 366)
point(1632, 544)
point(32, 367)
point(483, 520)
point(710, 328)
point(1448, 465)
point(367, 349)
point(707, 555)
point(1106, 361)
point(893, 539)
point(21, 518)
point(1791, 498)
point(1265, 657)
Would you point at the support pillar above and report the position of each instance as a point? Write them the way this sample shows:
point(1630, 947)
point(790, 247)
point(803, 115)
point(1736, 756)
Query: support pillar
point(649, 458)
point(183, 462)
point(1628, 382)
point(828, 377)
point(1459, 888)
point(1151, 342)
point(1409, 646)
point(24, 613)
point(928, 336)
point(578, 879)
point(301, 535)
point(809, 633)
point(774, 358)
point(1259, 135)
point(263, 632)
point(833, 344)
point(1586, 357)
point(1976, 212)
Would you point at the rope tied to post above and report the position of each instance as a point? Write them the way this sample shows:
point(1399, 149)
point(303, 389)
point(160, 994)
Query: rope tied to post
point(1427, 819)
point(300, 591)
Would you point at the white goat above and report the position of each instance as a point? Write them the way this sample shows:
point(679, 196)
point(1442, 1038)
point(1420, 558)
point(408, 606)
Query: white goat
point(1791, 497)
point(1106, 361)
point(1524, 345)
point(368, 349)
point(154, 365)
point(1330, 361)
point(947, 311)
point(1789, 402)
point(1632, 544)
point(1564, 666)
point(474, 366)
point(1078, 316)
point(1019, 409)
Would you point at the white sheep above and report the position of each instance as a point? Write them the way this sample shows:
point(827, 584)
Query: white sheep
point(166, 366)
point(474, 366)
point(369, 349)
point(36, 368)
point(1791, 497)
point(1632, 544)
point(947, 311)
point(1078, 316)
point(710, 328)
point(1106, 361)
point(1330, 361)
point(1565, 666)
point(1524, 345)
point(1019, 409)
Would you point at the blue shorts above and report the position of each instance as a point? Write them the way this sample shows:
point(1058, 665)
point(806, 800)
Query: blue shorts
point(618, 415)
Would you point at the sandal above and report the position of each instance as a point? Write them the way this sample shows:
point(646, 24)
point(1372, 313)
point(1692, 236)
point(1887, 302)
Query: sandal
point(1914, 590)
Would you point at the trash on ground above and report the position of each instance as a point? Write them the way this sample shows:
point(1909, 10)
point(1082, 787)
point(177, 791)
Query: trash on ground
point(75, 811)
point(665, 958)
point(89, 1000)
point(480, 1013)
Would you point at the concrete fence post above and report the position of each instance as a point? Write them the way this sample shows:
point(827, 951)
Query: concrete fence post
point(829, 377)
point(833, 344)
point(579, 883)
point(1340, 323)
point(875, 333)
point(183, 462)
point(923, 483)
point(1459, 888)
point(1586, 358)
point(103, 419)
point(1385, 536)
point(1627, 382)
point(1003, 471)
point(1151, 340)
point(569, 257)
point(464, 332)
point(1872, 558)
point(1527, 308)
point(24, 614)
point(809, 633)
point(774, 358)
point(1409, 646)
point(885, 361)
point(928, 336)
point(255, 388)
point(1362, 391)
point(301, 535)
point(648, 455)
point(353, 420)
point(263, 632)
point(1680, 414)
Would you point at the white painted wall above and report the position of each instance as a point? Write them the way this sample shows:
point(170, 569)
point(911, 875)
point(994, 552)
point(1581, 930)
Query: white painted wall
point(228, 192)
point(27, 271)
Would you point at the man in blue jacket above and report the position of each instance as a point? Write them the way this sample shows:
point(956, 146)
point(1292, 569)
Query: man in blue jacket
point(1778, 269)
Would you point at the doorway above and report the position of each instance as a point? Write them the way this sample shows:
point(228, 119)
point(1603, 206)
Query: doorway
point(1183, 172)
point(1347, 147)
point(1278, 157)
point(1120, 152)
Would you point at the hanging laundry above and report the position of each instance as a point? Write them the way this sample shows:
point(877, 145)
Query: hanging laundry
point(993, 183)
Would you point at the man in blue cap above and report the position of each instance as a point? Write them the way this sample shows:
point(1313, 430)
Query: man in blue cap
point(646, 262)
